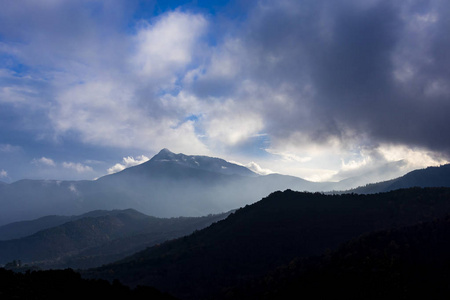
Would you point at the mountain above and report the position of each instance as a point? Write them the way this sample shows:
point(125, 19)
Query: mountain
point(24, 228)
point(98, 237)
point(21, 229)
point(171, 185)
point(428, 177)
point(168, 185)
point(405, 263)
point(206, 163)
point(271, 232)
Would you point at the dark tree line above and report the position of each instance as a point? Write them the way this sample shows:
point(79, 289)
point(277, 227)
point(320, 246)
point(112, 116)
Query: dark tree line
point(61, 284)
point(407, 263)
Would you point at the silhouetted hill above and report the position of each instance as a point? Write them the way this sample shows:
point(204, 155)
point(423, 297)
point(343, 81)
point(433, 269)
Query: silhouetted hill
point(20, 229)
point(429, 177)
point(407, 263)
point(168, 185)
point(61, 284)
point(97, 238)
point(267, 234)
point(24, 228)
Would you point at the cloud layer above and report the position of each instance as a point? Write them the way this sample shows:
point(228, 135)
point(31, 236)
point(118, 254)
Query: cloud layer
point(331, 87)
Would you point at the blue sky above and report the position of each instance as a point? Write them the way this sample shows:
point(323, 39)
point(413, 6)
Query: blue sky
point(322, 90)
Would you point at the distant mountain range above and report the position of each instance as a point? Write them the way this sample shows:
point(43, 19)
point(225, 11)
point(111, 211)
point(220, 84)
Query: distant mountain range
point(256, 239)
point(171, 185)
point(429, 177)
point(168, 185)
point(21, 229)
point(92, 239)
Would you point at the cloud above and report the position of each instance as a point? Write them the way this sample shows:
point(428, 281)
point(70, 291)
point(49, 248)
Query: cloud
point(166, 46)
point(73, 189)
point(7, 148)
point(231, 123)
point(3, 174)
point(126, 107)
point(127, 162)
point(289, 157)
point(321, 80)
point(257, 168)
point(327, 71)
point(44, 161)
point(78, 167)
point(75, 31)
point(385, 162)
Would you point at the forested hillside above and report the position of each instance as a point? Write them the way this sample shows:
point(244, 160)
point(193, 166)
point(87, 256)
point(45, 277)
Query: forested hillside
point(269, 233)
point(98, 238)
point(412, 262)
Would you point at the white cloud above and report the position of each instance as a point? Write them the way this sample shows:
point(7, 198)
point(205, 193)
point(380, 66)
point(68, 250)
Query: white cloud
point(230, 123)
point(233, 129)
point(414, 156)
point(44, 161)
point(99, 110)
point(109, 114)
point(355, 164)
point(167, 46)
point(289, 156)
point(128, 161)
point(226, 61)
point(125, 107)
point(73, 189)
point(3, 174)
point(385, 162)
point(257, 168)
point(79, 168)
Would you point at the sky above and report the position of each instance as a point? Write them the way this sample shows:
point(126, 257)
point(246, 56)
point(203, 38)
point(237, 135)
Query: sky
point(320, 89)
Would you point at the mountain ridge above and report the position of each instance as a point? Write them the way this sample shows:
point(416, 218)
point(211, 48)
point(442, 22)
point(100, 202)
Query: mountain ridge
point(269, 233)
point(98, 237)
point(21, 229)
point(203, 162)
point(168, 185)
point(434, 176)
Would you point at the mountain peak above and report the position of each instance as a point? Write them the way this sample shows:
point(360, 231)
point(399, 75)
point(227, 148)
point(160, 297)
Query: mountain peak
point(207, 163)
point(165, 152)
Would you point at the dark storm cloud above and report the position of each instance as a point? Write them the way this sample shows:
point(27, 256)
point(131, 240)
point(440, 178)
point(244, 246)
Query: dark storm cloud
point(367, 68)
point(332, 83)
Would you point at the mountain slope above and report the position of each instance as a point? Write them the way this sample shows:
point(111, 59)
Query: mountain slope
point(172, 185)
point(21, 229)
point(429, 177)
point(407, 263)
point(168, 185)
point(98, 238)
point(271, 232)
